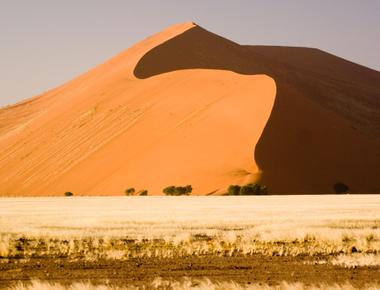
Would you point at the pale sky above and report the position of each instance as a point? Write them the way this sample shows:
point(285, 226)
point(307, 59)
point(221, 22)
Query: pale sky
point(44, 43)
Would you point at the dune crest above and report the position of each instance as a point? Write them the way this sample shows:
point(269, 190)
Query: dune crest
point(186, 106)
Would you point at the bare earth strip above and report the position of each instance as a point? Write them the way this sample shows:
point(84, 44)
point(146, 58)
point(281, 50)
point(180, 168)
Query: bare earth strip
point(140, 272)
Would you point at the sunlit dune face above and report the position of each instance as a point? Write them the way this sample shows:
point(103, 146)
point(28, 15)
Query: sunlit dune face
point(107, 129)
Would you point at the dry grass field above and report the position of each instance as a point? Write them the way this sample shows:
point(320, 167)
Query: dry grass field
point(278, 242)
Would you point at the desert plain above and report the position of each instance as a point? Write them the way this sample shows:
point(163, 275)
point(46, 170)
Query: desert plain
point(275, 242)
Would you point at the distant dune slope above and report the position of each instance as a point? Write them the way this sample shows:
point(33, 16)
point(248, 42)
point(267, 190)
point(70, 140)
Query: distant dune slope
point(186, 106)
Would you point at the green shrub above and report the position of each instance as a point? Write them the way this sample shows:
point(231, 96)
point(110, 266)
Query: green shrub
point(178, 190)
point(181, 190)
point(130, 191)
point(143, 192)
point(234, 190)
point(248, 189)
point(340, 188)
point(253, 189)
point(170, 190)
point(68, 193)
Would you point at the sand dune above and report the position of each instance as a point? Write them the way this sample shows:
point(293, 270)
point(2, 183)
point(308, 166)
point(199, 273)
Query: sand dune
point(186, 106)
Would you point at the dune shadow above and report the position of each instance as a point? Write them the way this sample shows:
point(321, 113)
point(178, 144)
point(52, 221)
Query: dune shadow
point(317, 133)
point(195, 48)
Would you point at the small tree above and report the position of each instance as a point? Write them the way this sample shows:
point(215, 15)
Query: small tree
point(68, 193)
point(234, 190)
point(170, 190)
point(130, 191)
point(247, 189)
point(181, 190)
point(178, 190)
point(143, 192)
point(257, 189)
point(340, 188)
point(253, 189)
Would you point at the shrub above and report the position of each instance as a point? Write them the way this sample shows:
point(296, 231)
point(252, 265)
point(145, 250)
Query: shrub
point(130, 191)
point(143, 192)
point(340, 188)
point(181, 190)
point(178, 190)
point(68, 193)
point(234, 190)
point(247, 189)
point(170, 190)
point(253, 189)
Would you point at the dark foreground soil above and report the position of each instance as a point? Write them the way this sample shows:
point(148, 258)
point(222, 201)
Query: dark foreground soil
point(244, 270)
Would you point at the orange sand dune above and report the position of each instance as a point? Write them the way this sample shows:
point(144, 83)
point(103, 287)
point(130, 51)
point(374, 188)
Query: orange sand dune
point(186, 106)
point(107, 131)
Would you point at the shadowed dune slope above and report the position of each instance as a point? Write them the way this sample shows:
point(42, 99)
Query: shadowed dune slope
point(186, 106)
point(325, 124)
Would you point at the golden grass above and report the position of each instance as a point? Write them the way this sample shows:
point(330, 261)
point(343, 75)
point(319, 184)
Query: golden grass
point(128, 227)
point(356, 260)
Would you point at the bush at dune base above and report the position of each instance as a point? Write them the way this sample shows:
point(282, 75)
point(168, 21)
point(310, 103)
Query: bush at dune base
point(248, 189)
point(178, 190)
point(130, 191)
point(143, 192)
point(340, 188)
